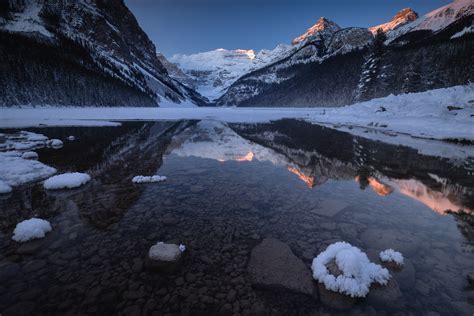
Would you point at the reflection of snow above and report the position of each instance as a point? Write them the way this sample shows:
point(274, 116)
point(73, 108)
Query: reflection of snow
point(378, 186)
point(438, 201)
point(357, 272)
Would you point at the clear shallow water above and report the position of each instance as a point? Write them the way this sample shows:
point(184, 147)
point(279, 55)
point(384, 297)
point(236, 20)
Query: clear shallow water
point(228, 187)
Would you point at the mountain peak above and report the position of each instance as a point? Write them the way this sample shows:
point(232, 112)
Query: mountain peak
point(402, 17)
point(322, 27)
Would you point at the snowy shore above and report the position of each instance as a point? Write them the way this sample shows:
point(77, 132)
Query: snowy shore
point(442, 114)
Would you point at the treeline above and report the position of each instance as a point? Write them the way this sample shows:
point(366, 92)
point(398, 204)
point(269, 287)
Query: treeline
point(41, 73)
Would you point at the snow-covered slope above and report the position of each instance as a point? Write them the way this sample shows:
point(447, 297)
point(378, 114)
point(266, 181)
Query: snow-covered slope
point(214, 71)
point(436, 20)
point(111, 35)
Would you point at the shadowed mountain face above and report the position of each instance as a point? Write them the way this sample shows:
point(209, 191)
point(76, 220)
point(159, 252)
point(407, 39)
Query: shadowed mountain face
point(81, 53)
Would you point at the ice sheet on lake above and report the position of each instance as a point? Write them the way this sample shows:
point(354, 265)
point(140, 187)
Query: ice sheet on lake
point(15, 171)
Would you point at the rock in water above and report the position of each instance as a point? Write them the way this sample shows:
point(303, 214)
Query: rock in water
point(274, 266)
point(164, 257)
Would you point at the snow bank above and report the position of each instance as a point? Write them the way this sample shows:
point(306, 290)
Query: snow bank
point(148, 179)
point(4, 187)
point(428, 114)
point(14, 170)
point(66, 181)
point(358, 273)
point(390, 255)
point(31, 229)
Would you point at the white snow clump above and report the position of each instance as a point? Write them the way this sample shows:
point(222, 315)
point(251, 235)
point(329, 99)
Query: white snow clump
point(358, 273)
point(31, 229)
point(66, 181)
point(147, 179)
point(390, 255)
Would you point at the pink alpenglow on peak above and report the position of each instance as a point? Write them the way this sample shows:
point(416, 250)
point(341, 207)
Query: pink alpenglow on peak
point(323, 27)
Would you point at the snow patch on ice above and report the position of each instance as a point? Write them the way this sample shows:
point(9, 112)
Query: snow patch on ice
point(54, 143)
point(358, 273)
point(390, 255)
point(30, 155)
point(4, 187)
point(14, 170)
point(31, 229)
point(148, 179)
point(66, 181)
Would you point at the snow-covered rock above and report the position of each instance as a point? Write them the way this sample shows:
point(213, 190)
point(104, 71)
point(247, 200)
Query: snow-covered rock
point(54, 143)
point(16, 171)
point(148, 179)
point(66, 181)
point(349, 39)
point(165, 257)
point(4, 187)
point(357, 272)
point(390, 255)
point(71, 138)
point(31, 229)
point(30, 155)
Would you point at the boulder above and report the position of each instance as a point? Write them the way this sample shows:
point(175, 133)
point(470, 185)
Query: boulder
point(273, 266)
point(164, 257)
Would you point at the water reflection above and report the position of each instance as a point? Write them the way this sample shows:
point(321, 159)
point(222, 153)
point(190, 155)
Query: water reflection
point(228, 187)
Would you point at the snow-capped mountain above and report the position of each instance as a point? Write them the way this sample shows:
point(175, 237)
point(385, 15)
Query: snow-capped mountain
point(323, 29)
point(329, 66)
point(403, 17)
point(211, 73)
point(214, 71)
point(108, 42)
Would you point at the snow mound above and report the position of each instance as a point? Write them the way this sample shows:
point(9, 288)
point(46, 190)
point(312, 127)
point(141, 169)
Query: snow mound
point(358, 273)
point(390, 255)
point(148, 179)
point(31, 229)
point(4, 187)
point(15, 170)
point(66, 181)
point(182, 248)
point(29, 155)
point(71, 138)
point(55, 143)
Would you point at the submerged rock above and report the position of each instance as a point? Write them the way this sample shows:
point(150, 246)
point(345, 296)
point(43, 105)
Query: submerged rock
point(164, 257)
point(274, 266)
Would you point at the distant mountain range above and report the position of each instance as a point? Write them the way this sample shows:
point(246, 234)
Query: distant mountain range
point(330, 66)
point(94, 53)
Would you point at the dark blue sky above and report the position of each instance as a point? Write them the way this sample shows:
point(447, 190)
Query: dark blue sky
point(191, 26)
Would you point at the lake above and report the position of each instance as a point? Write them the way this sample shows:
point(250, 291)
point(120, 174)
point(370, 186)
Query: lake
point(230, 186)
